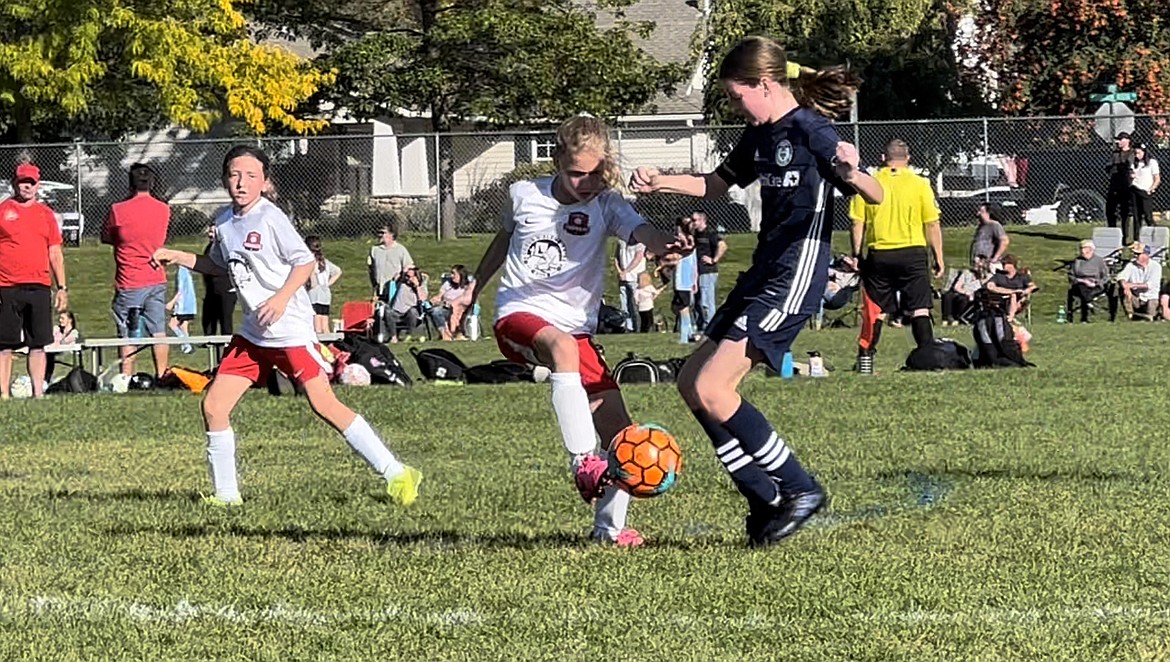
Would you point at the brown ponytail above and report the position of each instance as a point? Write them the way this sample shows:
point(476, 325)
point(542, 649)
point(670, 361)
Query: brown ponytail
point(827, 91)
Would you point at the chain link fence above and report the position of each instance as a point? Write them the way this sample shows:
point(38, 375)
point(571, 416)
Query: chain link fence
point(1037, 169)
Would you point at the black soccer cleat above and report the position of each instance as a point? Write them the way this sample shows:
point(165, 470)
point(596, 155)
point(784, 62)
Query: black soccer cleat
point(787, 519)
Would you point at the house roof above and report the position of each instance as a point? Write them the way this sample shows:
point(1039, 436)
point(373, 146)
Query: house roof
point(675, 24)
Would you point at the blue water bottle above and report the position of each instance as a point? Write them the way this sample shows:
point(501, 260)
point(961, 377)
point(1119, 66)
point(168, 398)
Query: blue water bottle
point(786, 368)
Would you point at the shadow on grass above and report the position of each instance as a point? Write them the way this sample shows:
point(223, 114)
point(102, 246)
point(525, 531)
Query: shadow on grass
point(135, 494)
point(1042, 234)
point(1013, 473)
point(438, 540)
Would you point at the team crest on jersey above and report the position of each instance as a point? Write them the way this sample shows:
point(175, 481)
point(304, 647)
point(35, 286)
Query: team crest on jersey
point(252, 241)
point(544, 256)
point(10, 215)
point(783, 153)
point(578, 224)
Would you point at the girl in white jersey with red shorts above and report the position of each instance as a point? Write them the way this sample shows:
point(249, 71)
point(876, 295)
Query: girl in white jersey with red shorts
point(553, 249)
point(269, 264)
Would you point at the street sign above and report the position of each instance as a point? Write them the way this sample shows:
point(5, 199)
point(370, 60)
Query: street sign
point(1112, 119)
point(1111, 94)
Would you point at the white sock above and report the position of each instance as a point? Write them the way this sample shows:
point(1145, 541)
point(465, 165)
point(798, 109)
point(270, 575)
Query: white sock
point(609, 518)
point(571, 405)
point(221, 463)
point(366, 443)
point(684, 328)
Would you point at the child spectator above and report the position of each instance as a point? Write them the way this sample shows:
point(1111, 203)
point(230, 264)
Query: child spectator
point(65, 333)
point(686, 284)
point(323, 278)
point(182, 307)
point(644, 299)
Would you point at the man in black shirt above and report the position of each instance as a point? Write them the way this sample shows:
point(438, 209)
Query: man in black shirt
point(1119, 196)
point(709, 248)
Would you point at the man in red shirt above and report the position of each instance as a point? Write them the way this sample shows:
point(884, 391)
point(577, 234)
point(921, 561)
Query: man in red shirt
point(136, 228)
point(30, 253)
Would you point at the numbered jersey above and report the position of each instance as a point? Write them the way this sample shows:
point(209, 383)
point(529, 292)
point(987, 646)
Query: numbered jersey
point(259, 250)
point(557, 258)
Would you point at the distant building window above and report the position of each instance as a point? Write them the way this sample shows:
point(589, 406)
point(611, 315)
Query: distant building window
point(542, 149)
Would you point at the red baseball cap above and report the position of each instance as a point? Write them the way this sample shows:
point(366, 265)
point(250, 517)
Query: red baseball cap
point(28, 172)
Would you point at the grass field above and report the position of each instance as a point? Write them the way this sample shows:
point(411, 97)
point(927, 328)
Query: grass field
point(975, 516)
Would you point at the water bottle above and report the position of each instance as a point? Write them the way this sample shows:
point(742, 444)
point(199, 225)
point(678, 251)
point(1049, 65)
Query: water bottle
point(1061, 316)
point(472, 330)
point(134, 326)
point(816, 365)
point(787, 370)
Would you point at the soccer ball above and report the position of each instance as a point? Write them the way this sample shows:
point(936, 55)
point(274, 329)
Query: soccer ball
point(644, 460)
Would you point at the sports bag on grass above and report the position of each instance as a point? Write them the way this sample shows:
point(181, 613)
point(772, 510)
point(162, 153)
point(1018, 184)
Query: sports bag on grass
point(438, 364)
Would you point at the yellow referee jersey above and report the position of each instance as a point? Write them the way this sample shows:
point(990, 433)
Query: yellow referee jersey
point(898, 221)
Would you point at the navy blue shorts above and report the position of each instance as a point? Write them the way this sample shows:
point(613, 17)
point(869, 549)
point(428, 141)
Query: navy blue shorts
point(765, 326)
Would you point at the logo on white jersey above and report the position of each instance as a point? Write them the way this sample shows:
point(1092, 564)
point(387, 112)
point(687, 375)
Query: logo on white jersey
point(252, 241)
point(239, 271)
point(544, 256)
point(578, 224)
point(783, 153)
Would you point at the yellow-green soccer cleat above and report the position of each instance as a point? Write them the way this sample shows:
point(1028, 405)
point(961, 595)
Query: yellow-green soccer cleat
point(217, 502)
point(403, 488)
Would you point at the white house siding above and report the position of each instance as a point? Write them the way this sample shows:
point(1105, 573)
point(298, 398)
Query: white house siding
point(480, 161)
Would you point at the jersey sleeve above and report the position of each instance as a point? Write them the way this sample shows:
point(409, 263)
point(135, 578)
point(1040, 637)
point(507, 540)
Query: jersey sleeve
point(857, 207)
point(290, 246)
point(739, 168)
point(928, 205)
point(822, 143)
point(621, 219)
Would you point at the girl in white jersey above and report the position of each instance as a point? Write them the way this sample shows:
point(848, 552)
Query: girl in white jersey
point(269, 265)
point(553, 250)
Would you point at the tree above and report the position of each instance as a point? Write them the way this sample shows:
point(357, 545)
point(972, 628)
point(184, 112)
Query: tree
point(107, 67)
point(504, 62)
point(903, 50)
point(1048, 57)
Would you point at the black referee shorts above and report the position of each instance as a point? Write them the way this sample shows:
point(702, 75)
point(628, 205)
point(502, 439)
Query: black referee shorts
point(885, 273)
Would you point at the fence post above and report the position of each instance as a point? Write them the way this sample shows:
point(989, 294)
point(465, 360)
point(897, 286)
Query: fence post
point(438, 194)
point(986, 160)
point(855, 119)
point(77, 185)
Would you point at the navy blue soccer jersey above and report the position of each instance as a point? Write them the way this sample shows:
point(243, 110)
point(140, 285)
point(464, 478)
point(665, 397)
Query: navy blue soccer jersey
point(793, 160)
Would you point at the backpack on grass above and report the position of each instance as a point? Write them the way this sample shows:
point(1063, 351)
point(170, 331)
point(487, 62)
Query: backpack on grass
point(498, 372)
point(942, 354)
point(376, 358)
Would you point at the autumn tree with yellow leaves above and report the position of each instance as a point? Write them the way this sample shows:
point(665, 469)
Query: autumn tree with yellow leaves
point(104, 68)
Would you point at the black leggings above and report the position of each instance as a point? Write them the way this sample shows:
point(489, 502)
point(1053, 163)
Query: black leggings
point(1143, 210)
point(217, 311)
point(645, 321)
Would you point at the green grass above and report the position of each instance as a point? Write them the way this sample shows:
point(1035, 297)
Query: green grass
point(977, 516)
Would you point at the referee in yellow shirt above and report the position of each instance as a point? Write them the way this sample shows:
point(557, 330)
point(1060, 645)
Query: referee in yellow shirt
point(896, 234)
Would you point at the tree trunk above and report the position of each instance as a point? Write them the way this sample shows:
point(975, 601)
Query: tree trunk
point(446, 184)
point(441, 125)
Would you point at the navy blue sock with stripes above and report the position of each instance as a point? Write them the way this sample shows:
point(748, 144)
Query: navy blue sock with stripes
point(768, 450)
point(752, 482)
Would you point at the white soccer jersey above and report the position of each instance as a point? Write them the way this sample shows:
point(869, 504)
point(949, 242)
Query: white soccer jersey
point(557, 257)
point(259, 250)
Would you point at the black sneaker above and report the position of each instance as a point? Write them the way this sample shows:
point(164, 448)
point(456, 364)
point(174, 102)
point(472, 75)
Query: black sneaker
point(758, 517)
point(789, 518)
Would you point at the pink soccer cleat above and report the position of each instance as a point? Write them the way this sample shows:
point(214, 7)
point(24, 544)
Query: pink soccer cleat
point(591, 477)
point(628, 538)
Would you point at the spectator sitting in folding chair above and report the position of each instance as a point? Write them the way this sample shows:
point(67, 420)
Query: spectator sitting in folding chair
point(1014, 286)
point(1088, 277)
point(843, 283)
point(405, 315)
point(962, 286)
point(448, 306)
point(1140, 282)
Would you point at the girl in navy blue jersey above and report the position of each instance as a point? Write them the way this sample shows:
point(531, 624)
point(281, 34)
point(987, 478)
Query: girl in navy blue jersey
point(792, 148)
